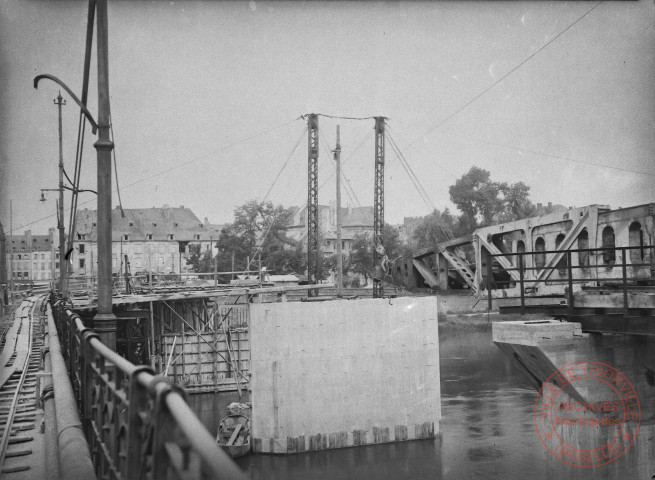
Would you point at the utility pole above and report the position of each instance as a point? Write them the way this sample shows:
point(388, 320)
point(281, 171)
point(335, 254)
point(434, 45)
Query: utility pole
point(104, 322)
point(337, 158)
point(60, 102)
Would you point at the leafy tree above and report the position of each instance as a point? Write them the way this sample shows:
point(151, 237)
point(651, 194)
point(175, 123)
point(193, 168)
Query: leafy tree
point(477, 197)
point(361, 255)
point(517, 202)
point(435, 228)
point(484, 202)
point(200, 261)
point(259, 228)
point(361, 250)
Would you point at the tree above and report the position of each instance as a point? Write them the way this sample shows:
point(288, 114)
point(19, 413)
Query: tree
point(435, 228)
point(517, 202)
point(477, 197)
point(361, 251)
point(484, 202)
point(361, 255)
point(259, 228)
point(200, 261)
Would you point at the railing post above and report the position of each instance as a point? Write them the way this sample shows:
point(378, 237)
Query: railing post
point(87, 380)
point(166, 435)
point(137, 426)
point(624, 273)
point(569, 268)
point(521, 283)
point(489, 278)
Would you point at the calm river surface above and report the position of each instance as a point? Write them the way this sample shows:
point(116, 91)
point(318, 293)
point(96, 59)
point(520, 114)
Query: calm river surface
point(487, 431)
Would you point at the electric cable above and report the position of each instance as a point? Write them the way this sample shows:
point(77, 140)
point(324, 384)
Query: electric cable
point(523, 62)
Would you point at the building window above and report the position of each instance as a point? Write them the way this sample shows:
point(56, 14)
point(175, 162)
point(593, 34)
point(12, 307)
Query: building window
point(609, 242)
point(149, 236)
point(540, 256)
point(81, 248)
point(57, 265)
point(137, 248)
point(170, 236)
point(197, 237)
point(94, 224)
point(126, 237)
point(162, 248)
point(81, 263)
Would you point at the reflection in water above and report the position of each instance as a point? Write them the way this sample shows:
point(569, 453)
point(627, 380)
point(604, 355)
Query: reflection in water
point(487, 427)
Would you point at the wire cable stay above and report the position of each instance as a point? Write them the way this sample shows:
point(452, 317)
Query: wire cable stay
point(285, 164)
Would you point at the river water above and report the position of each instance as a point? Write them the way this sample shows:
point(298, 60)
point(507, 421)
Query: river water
point(487, 431)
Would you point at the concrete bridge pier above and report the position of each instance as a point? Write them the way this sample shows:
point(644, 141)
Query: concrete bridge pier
point(344, 373)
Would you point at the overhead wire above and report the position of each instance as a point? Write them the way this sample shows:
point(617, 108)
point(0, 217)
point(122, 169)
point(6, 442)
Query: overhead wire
point(523, 62)
point(545, 154)
point(238, 142)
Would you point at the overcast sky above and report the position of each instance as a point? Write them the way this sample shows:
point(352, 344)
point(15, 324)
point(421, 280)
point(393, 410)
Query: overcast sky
point(206, 99)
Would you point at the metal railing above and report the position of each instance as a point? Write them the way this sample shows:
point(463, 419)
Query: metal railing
point(138, 425)
point(586, 272)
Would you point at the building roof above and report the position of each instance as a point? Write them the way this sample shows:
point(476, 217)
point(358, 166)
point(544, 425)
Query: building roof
point(31, 243)
point(180, 222)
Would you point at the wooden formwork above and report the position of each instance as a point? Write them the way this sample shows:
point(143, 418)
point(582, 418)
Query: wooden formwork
point(203, 343)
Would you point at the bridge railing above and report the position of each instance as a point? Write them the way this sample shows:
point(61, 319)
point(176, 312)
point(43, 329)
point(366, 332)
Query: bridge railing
point(138, 425)
point(620, 268)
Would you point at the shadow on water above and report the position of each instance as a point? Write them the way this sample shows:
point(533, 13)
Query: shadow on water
point(487, 431)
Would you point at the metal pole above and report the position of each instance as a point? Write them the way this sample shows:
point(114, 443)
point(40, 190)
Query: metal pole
point(59, 101)
point(570, 274)
point(11, 252)
point(624, 273)
point(215, 266)
point(105, 320)
point(337, 158)
point(521, 284)
point(489, 277)
point(312, 203)
point(378, 203)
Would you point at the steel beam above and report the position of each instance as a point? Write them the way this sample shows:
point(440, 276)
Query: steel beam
point(312, 202)
point(378, 203)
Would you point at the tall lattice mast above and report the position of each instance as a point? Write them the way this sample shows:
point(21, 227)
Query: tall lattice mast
point(312, 201)
point(378, 203)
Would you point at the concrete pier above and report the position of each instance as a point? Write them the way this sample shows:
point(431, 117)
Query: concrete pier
point(344, 373)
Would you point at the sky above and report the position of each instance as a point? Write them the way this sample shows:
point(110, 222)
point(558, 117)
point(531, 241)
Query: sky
point(207, 100)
